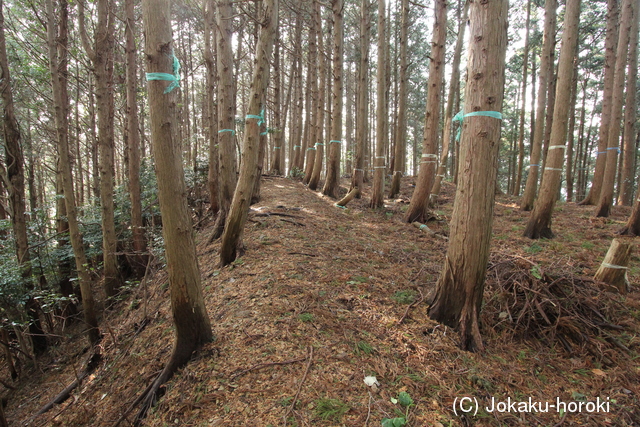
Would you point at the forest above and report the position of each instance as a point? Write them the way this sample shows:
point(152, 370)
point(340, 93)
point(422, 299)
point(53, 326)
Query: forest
point(319, 213)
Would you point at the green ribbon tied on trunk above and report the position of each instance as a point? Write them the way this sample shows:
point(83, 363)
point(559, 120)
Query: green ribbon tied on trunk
point(259, 117)
point(460, 117)
point(173, 78)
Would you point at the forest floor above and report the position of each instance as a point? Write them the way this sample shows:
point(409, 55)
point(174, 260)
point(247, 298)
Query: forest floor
point(326, 296)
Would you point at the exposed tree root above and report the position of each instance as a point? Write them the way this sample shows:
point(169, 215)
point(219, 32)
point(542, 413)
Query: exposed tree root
point(355, 192)
point(149, 397)
point(304, 377)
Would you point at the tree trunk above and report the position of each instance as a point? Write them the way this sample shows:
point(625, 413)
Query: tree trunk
point(312, 94)
point(632, 228)
point(613, 270)
point(357, 177)
point(226, 115)
point(101, 56)
point(611, 40)
point(8, 356)
point(61, 106)
point(459, 289)
point(211, 107)
point(572, 126)
point(297, 156)
point(231, 238)
point(277, 136)
point(348, 128)
point(255, 196)
point(617, 101)
point(95, 174)
point(332, 181)
point(16, 190)
point(539, 225)
point(585, 160)
point(420, 200)
point(62, 225)
point(580, 146)
point(546, 67)
point(630, 117)
point(192, 325)
point(379, 167)
point(322, 80)
point(400, 152)
point(454, 88)
point(133, 138)
point(525, 70)
point(551, 104)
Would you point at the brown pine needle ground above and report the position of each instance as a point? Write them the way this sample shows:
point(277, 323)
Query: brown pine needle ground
point(340, 280)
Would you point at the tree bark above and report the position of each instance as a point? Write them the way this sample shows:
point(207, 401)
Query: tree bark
point(232, 235)
point(613, 270)
point(539, 225)
point(572, 126)
point(420, 200)
point(454, 89)
point(400, 152)
point(459, 289)
point(62, 225)
point(379, 167)
point(332, 181)
point(632, 227)
point(312, 95)
point(546, 67)
point(357, 177)
point(611, 40)
point(101, 56)
point(617, 101)
point(61, 107)
point(255, 196)
point(525, 70)
point(210, 39)
point(348, 128)
point(297, 157)
point(319, 119)
point(226, 115)
point(191, 321)
point(133, 138)
point(16, 189)
point(277, 135)
point(630, 116)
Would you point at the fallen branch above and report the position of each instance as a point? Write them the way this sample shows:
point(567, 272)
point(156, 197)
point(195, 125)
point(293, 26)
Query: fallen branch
point(9, 386)
point(264, 365)
point(426, 229)
point(553, 306)
point(413, 304)
point(91, 366)
point(304, 377)
point(273, 214)
point(299, 224)
point(366, 422)
point(301, 253)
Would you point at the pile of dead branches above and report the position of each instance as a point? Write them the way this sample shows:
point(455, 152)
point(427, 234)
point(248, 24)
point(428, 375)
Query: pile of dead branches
point(523, 301)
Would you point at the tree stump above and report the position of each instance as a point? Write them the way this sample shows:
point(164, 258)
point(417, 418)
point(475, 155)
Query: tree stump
point(613, 270)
